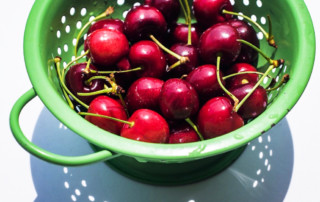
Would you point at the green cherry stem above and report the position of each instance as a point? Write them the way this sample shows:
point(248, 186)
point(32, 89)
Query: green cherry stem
point(245, 72)
point(234, 98)
point(73, 61)
point(131, 124)
point(284, 80)
point(106, 13)
point(269, 37)
point(195, 128)
point(184, 11)
point(116, 72)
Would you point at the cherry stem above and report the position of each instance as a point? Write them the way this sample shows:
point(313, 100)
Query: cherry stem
point(181, 59)
point(64, 87)
point(245, 72)
point(269, 37)
point(131, 124)
point(234, 98)
point(284, 80)
point(106, 13)
point(184, 11)
point(195, 128)
point(116, 72)
point(73, 61)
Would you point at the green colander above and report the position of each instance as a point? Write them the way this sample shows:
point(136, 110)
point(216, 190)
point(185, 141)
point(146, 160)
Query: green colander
point(51, 30)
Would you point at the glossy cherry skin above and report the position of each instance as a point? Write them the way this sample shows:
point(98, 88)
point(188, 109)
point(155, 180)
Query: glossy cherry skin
point(204, 80)
point(107, 106)
point(149, 126)
point(124, 79)
point(144, 93)
point(242, 78)
point(148, 55)
point(182, 133)
point(107, 46)
point(178, 99)
point(179, 34)
point(170, 9)
point(209, 12)
point(216, 117)
point(220, 38)
point(76, 82)
point(110, 23)
point(185, 50)
point(142, 21)
point(255, 104)
point(247, 33)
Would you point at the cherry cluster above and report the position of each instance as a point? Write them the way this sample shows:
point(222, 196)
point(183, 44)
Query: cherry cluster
point(154, 78)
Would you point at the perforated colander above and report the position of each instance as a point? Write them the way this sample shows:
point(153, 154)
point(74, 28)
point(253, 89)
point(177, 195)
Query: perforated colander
point(51, 31)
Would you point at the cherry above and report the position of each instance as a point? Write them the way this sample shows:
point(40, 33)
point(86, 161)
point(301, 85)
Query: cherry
point(107, 46)
point(182, 133)
point(241, 78)
point(179, 33)
point(184, 50)
point(110, 23)
point(178, 99)
point(219, 39)
point(209, 12)
point(142, 21)
point(216, 117)
point(104, 105)
point(124, 79)
point(144, 93)
point(147, 126)
point(76, 82)
point(256, 102)
point(147, 55)
point(247, 33)
point(204, 80)
point(170, 9)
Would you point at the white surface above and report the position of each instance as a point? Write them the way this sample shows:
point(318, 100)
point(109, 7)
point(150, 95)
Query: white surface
point(284, 163)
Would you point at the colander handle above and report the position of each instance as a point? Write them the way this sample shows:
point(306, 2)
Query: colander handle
point(41, 153)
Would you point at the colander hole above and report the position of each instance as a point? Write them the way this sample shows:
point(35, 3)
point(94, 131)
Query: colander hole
point(77, 192)
point(255, 184)
point(72, 11)
point(265, 80)
point(136, 4)
point(74, 41)
point(58, 34)
point(263, 20)
point(73, 58)
point(274, 70)
point(124, 14)
point(284, 68)
point(270, 152)
point(253, 148)
point(73, 198)
point(232, 2)
point(261, 155)
point(254, 18)
point(120, 2)
point(266, 162)
point(239, 17)
point(259, 3)
point(66, 185)
point(246, 2)
point(63, 19)
point(260, 35)
point(269, 167)
point(270, 96)
point(79, 25)
point(65, 48)
point(91, 198)
point(83, 12)
point(68, 29)
point(64, 64)
point(91, 18)
point(258, 171)
point(59, 51)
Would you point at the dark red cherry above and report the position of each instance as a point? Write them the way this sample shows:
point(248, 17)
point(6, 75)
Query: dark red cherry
point(147, 55)
point(179, 34)
point(148, 126)
point(219, 39)
point(178, 99)
point(182, 133)
point(204, 80)
point(247, 33)
point(255, 104)
point(107, 46)
point(170, 9)
point(76, 82)
point(104, 105)
point(144, 93)
point(110, 23)
point(185, 50)
point(143, 21)
point(124, 79)
point(209, 12)
point(217, 117)
point(242, 78)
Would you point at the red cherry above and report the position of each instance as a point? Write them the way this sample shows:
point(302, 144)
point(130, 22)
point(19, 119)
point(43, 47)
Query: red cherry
point(170, 9)
point(219, 39)
point(107, 46)
point(217, 117)
point(182, 133)
point(204, 80)
point(209, 12)
point(114, 24)
point(256, 102)
point(148, 56)
point(143, 21)
point(242, 78)
point(179, 34)
point(76, 82)
point(144, 93)
point(104, 105)
point(178, 99)
point(148, 126)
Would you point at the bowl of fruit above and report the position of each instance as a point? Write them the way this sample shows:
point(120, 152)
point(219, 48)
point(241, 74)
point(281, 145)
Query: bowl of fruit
point(165, 91)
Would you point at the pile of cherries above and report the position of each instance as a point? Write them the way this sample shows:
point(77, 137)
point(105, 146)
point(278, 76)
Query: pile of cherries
point(153, 78)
